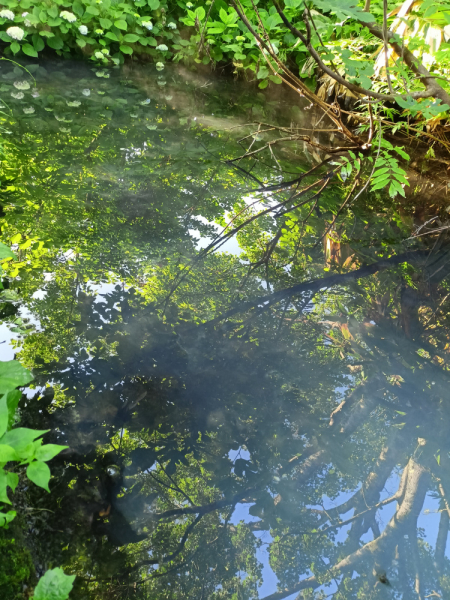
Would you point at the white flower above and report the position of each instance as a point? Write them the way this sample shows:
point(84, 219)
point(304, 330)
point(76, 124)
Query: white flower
point(171, 25)
point(27, 23)
point(161, 83)
point(144, 102)
point(98, 55)
point(68, 16)
point(147, 24)
point(189, 5)
point(83, 29)
point(24, 14)
point(73, 103)
point(35, 94)
point(28, 110)
point(162, 48)
point(7, 14)
point(17, 95)
point(169, 97)
point(86, 92)
point(64, 129)
point(21, 85)
point(15, 33)
point(152, 127)
point(160, 66)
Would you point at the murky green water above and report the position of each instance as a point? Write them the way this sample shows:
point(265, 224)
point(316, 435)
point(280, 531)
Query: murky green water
point(261, 419)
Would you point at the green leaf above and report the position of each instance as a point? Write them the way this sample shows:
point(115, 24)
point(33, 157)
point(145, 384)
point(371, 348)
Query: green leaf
point(7, 453)
point(39, 473)
point(3, 487)
point(6, 252)
point(154, 4)
point(105, 23)
point(131, 38)
point(6, 518)
point(20, 437)
point(13, 375)
point(78, 8)
point(54, 585)
point(126, 49)
point(38, 42)
point(81, 42)
point(12, 479)
point(49, 451)
point(55, 42)
point(111, 36)
point(121, 24)
point(92, 10)
point(15, 47)
point(29, 50)
point(263, 84)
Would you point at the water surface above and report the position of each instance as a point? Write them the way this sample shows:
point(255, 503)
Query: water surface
point(267, 418)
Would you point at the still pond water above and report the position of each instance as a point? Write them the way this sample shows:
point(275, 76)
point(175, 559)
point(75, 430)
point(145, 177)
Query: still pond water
point(253, 415)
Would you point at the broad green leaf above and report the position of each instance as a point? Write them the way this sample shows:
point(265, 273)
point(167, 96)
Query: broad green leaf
point(121, 24)
point(111, 36)
point(49, 451)
point(3, 487)
point(6, 518)
point(126, 49)
point(4, 415)
point(154, 4)
point(105, 23)
point(7, 453)
point(15, 47)
point(20, 437)
point(29, 50)
point(39, 473)
point(131, 38)
point(54, 585)
point(56, 43)
point(13, 375)
point(6, 252)
point(92, 10)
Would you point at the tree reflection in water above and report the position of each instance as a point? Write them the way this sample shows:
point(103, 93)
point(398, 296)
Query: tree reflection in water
point(191, 391)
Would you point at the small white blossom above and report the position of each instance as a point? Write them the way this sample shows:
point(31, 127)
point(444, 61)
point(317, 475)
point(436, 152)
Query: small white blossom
point(171, 25)
point(147, 24)
point(86, 92)
point(162, 48)
point(17, 95)
point(74, 103)
point(15, 33)
point(160, 66)
point(144, 102)
point(35, 94)
point(7, 14)
point(28, 110)
point(21, 85)
point(24, 14)
point(68, 16)
point(27, 23)
point(83, 29)
point(189, 5)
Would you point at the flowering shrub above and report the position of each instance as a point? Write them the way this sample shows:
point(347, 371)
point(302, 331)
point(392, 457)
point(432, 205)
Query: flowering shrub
point(104, 30)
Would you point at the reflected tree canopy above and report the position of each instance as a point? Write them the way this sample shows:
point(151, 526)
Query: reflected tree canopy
point(258, 420)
